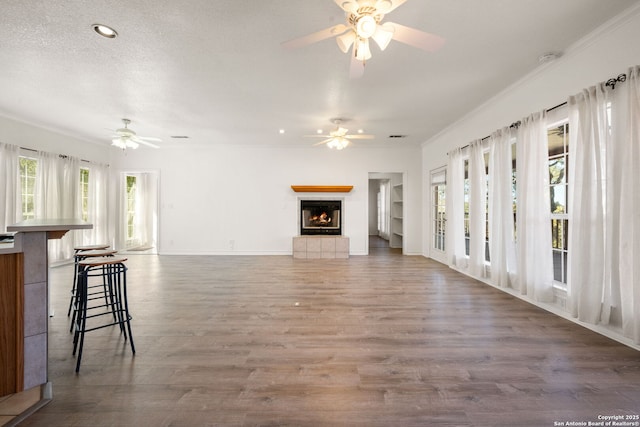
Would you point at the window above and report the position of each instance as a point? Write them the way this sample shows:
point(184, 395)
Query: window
point(558, 136)
point(84, 192)
point(438, 208)
point(28, 167)
point(131, 207)
point(487, 257)
point(467, 195)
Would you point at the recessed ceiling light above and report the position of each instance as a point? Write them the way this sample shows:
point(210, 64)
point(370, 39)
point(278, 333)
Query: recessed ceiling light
point(105, 31)
point(319, 131)
point(281, 130)
point(360, 130)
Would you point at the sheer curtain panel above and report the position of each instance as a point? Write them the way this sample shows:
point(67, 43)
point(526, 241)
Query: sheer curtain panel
point(501, 223)
point(98, 212)
point(455, 210)
point(589, 138)
point(477, 209)
point(57, 196)
point(146, 208)
point(10, 204)
point(629, 210)
point(535, 263)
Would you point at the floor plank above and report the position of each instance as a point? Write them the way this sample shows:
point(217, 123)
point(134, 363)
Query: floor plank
point(380, 340)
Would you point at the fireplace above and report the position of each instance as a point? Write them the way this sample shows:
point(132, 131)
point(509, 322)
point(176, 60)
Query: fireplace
point(321, 217)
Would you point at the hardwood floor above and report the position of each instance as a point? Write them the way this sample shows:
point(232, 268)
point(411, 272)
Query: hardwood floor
point(381, 340)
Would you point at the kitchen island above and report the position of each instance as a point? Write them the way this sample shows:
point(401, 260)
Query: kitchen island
point(24, 306)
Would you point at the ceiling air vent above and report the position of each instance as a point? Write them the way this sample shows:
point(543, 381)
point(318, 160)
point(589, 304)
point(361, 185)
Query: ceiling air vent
point(179, 137)
point(397, 136)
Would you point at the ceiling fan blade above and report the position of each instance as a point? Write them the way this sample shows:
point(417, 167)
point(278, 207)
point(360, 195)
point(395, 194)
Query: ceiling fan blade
point(322, 142)
point(416, 38)
point(386, 6)
point(149, 138)
point(359, 136)
point(356, 68)
point(349, 6)
point(315, 37)
point(143, 142)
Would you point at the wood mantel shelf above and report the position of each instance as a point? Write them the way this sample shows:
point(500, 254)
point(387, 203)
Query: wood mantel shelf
point(322, 188)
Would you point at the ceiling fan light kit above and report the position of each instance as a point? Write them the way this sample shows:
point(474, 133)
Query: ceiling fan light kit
point(338, 143)
point(339, 138)
point(364, 22)
point(126, 138)
point(362, 51)
point(124, 143)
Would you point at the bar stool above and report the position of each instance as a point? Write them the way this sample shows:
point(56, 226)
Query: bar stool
point(77, 250)
point(92, 312)
point(79, 256)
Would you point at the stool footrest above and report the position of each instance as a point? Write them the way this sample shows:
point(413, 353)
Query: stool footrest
point(110, 297)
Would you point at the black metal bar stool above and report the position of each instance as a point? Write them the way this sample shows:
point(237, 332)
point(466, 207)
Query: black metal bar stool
point(79, 256)
point(77, 250)
point(95, 289)
point(92, 311)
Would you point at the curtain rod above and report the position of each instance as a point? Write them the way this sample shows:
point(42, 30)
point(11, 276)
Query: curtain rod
point(611, 82)
point(63, 156)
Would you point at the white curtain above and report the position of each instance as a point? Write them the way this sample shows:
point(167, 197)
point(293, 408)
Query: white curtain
point(120, 204)
point(629, 211)
point(535, 262)
point(604, 241)
point(98, 207)
point(455, 241)
point(145, 221)
point(57, 196)
point(502, 246)
point(588, 139)
point(10, 204)
point(146, 208)
point(477, 209)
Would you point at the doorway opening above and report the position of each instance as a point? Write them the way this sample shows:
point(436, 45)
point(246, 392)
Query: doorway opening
point(138, 213)
point(386, 211)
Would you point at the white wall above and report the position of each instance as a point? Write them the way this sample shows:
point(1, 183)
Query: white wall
point(226, 199)
point(607, 52)
point(374, 188)
point(237, 199)
point(36, 138)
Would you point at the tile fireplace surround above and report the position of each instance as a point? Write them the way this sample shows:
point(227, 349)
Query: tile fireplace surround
point(316, 247)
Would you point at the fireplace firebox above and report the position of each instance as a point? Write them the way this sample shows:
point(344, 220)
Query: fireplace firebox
point(321, 217)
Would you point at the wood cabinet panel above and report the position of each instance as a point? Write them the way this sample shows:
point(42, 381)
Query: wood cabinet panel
point(11, 323)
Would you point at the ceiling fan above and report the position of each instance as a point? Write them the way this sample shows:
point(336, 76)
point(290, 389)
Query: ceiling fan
point(338, 138)
point(364, 22)
point(126, 138)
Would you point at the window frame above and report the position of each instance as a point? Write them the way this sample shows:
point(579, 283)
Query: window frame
point(27, 186)
point(560, 220)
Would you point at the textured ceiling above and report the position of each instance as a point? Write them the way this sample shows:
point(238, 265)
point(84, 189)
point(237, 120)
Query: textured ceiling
point(216, 72)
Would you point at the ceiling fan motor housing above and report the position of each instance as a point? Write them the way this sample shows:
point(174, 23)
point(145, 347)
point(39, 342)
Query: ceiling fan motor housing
point(364, 21)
